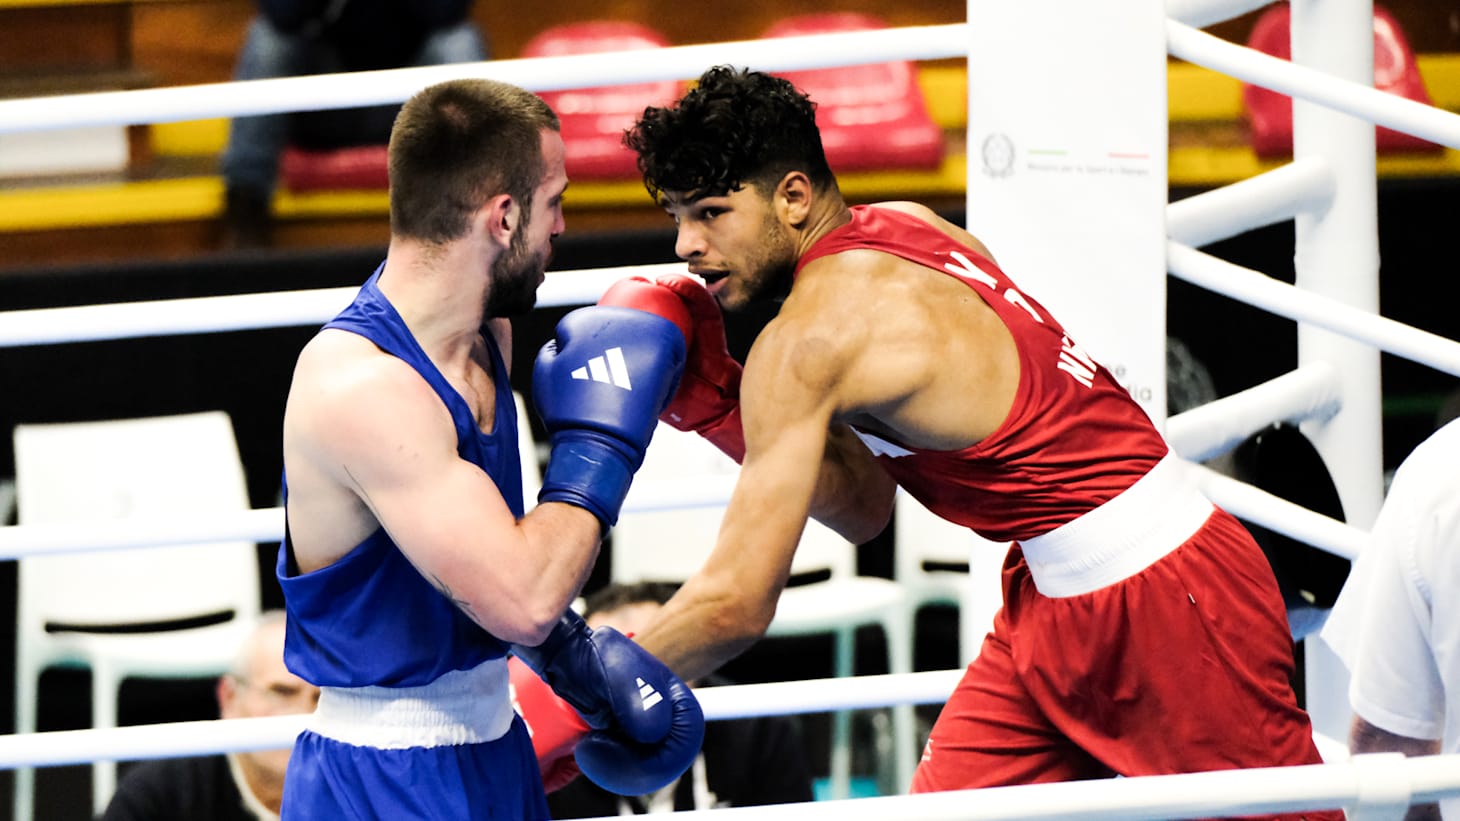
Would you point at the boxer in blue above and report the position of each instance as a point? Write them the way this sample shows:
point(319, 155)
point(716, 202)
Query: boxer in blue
point(408, 567)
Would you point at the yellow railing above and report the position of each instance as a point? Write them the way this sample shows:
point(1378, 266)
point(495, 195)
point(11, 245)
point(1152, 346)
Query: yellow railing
point(1203, 104)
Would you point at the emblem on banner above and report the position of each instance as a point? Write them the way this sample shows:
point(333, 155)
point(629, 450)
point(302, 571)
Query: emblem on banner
point(998, 155)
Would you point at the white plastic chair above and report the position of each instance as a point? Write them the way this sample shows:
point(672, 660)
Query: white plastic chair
point(671, 545)
point(939, 562)
point(113, 470)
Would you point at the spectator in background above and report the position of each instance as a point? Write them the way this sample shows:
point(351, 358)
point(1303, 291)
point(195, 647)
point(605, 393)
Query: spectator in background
point(290, 38)
point(743, 762)
point(235, 786)
point(1397, 622)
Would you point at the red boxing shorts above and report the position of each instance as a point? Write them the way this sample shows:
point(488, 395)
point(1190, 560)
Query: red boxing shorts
point(1184, 666)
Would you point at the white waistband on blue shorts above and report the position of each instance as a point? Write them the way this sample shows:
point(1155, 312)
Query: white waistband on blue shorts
point(1122, 537)
point(461, 707)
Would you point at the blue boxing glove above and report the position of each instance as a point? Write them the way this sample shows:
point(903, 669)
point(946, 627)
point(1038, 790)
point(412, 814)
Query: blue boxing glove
point(599, 388)
point(648, 726)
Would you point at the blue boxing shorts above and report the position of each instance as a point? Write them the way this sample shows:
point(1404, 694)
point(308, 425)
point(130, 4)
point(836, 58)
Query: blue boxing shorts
point(451, 749)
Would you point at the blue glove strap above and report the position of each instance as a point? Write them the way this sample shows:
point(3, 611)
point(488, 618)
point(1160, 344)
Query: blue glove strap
point(570, 633)
point(569, 629)
point(590, 470)
point(605, 677)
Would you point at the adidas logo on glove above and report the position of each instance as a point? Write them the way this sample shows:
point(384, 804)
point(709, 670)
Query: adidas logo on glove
point(610, 369)
point(647, 693)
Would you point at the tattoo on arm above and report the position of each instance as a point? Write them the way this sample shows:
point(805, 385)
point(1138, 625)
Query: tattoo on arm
point(461, 604)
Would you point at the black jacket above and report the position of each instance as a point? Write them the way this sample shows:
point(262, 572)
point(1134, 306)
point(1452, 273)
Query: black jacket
point(178, 789)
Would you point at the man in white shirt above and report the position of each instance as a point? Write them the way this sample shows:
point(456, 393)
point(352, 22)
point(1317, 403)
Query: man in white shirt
point(1397, 622)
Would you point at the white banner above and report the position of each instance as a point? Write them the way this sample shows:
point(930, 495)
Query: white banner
point(1067, 170)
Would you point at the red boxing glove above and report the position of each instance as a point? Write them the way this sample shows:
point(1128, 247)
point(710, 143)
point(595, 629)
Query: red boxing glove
point(708, 399)
point(556, 728)
point(641, 294)
point(560, 774)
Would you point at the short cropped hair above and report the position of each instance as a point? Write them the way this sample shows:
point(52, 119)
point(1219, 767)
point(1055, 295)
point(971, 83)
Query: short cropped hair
point(457, 144)
point(735, 127)
point(622, 594)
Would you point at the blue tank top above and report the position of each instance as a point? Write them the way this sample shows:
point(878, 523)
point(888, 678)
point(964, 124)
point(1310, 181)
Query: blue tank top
point(371, 618)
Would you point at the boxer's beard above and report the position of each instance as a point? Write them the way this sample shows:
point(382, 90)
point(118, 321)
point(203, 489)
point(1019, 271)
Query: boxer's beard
point(515, 277)
point(769, 270)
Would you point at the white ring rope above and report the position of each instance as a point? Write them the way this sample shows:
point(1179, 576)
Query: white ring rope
point(1384, 791)
point(1277, 789)
point(179, 738)
point(1189, 795)
point(242, 312)
point(1207, 431)
point(1302, 186)
point(143, 741)
point(267, 524)
point(1277, 297)
point(1198, 434)
point(1364, 102)
point(158, 105)
point(248, 311)
point(43, 539)
point(1311, 392)
point(1203, 13)
point(1277, 514)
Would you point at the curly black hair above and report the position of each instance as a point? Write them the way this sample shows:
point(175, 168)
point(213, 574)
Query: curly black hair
point(734, 127)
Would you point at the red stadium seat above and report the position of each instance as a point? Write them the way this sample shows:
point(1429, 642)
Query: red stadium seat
point(360, 167)
point(1270, 114)
point(594, 119)
point(872, 117)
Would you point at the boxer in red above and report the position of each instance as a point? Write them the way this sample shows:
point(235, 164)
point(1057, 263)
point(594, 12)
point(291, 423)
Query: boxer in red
point(1142, 631)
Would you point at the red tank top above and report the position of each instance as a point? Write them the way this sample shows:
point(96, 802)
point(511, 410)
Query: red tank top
point(1074, 437)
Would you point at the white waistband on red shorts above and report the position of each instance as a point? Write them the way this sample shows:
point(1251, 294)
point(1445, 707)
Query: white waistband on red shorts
point(461, 707)
point(1122, 537)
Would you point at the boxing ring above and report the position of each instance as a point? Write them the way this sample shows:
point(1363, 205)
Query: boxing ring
point(1328, 190)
